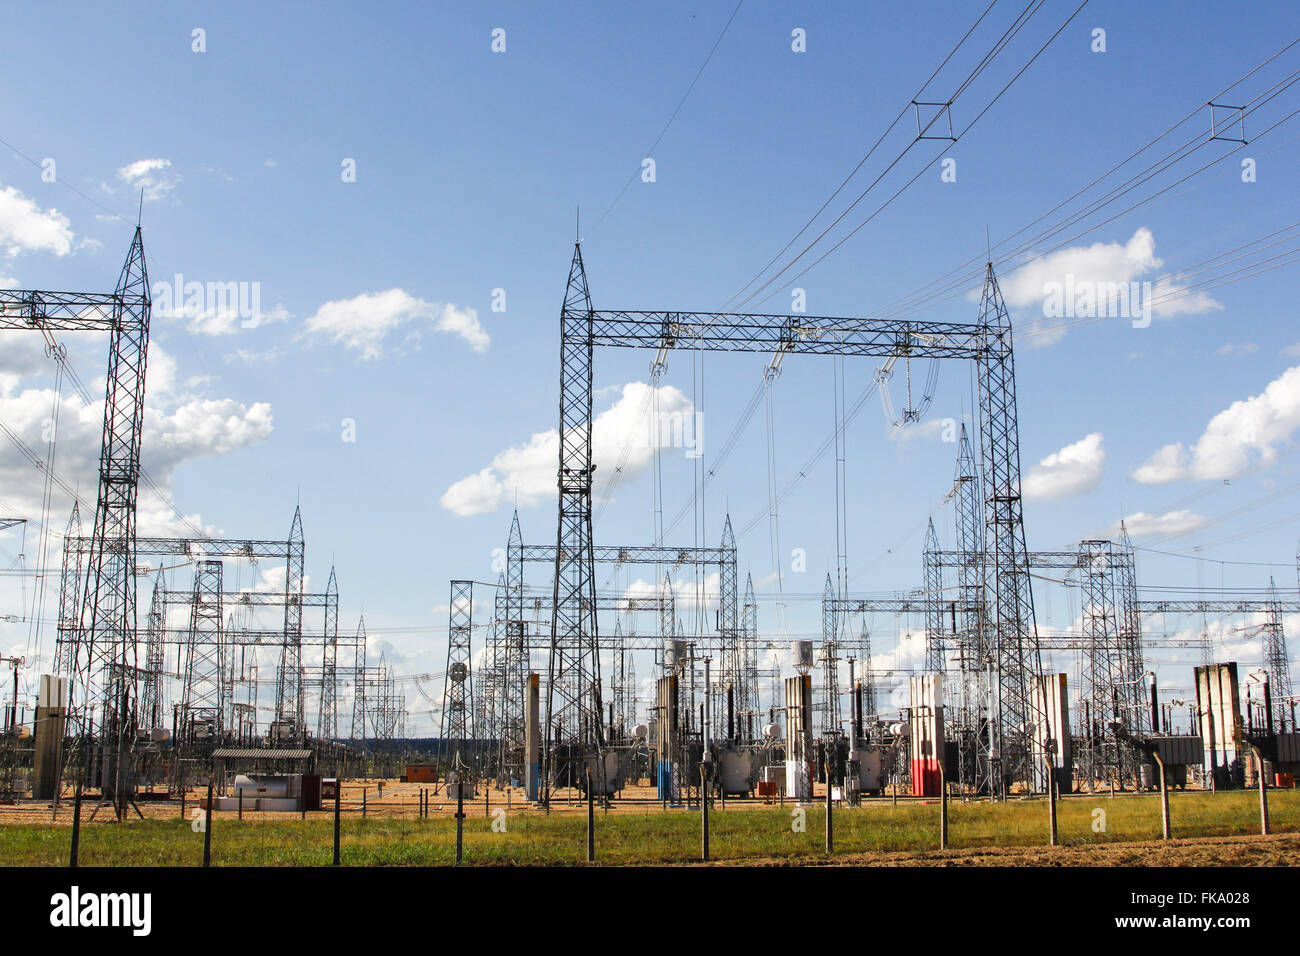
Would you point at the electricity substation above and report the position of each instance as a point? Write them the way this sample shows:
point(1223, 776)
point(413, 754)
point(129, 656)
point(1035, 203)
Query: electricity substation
point(571, 689)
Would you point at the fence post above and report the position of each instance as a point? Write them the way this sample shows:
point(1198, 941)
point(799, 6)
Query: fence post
point(704, 810)
point(830, 824)
point(76, 826)
point(1051, 800)
point(1263, 790)
point(207, 827)
point(338, 799)
point(943, 807)
point(1165, 828)
point(591, 820)
point(460, 818)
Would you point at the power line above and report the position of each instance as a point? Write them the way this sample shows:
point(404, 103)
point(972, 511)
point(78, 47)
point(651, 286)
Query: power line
point(680, 103)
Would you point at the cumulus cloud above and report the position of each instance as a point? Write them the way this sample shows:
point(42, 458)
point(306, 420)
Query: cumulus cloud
point(25, 227)
point(527, 471)
point(364, 323)
point(154, 176)
point(1143, 525)
point(1243, 437)
point(1072, 470)
point(685, 594)
point(179, 427)
point(1099, 267)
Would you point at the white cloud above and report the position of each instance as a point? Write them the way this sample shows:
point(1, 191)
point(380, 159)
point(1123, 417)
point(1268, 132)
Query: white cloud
point(1143, 525)
point(930, 428)
point(527, 471)
point(1097, 266)
point(251, 357)
point(155, 176)
point(364, 323)
point(25, 227)
point(1239, 439)
point(1242, 348)
point(223, 314)
point(685, 596)
point(1072, 470)
point(179, 427)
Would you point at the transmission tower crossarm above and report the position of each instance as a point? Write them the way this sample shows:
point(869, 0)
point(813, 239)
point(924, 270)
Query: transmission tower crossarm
point(818, 335)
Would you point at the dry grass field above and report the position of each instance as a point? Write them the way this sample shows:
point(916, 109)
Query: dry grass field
point(501, 829)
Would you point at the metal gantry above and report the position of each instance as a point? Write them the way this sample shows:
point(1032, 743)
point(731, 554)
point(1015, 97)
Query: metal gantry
point(327, 727)
point(290, 711)
point(574, 678)
point(203, 691)
point(104, 668)
point(457, 698)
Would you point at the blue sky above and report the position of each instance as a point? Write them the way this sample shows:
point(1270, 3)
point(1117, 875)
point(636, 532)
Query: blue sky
point(377, 295)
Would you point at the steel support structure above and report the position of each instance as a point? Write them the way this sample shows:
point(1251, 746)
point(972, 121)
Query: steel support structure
point(358, 727)
point(202, 714)
point(290, 708)
point(1276, 661)
point(826, 698)
point(457, 695)
point(151, 698)
point(732, 672)
point(104, 657)
point(975, 652)
point(573, 691)
point(751, 702)
point(1109, 695)
point(327, 725)
point(66, 643)
point(935, 658)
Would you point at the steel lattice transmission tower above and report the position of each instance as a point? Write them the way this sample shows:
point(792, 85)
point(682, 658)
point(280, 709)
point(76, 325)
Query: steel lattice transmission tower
point(108, 609)
point(729, 630)
point(1011, 599)
point(750, 703)
point(868, 673)
point(1276, 661)
point(358, 729)
point(826, 698)
point(1130, 633)
point(573, 706)
point(151, 703)
point(290, 710)
point(974, 651)
point(327, 726)
point(203, 696)
point(100, 649)
point(457, 698)
point(65, 648)
point(933, 578)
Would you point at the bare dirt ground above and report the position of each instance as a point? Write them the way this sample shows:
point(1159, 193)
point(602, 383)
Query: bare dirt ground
point(1276, 850)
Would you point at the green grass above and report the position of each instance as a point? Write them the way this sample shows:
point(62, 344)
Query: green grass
point(651, 837)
